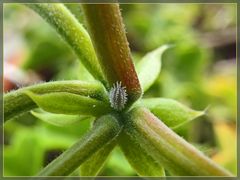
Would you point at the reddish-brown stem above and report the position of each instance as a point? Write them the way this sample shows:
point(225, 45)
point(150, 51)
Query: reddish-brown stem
point(108, 34)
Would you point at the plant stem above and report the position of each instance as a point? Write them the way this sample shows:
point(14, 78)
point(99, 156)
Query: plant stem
point(64, 22)
point(108, 34)
point(94, 164)
point(17, 102)
point(75, 9)
point(173, 152)
point(103, 131)
point(140, 159)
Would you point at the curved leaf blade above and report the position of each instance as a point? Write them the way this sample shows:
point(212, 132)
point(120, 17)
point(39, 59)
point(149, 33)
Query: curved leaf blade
point(171, 112)
point(149, 67)
point(68, 103)
point(17, 102)
point(58, 119)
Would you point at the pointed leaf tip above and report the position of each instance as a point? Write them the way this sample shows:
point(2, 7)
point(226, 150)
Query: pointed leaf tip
point(149, 67)
point(171, 112)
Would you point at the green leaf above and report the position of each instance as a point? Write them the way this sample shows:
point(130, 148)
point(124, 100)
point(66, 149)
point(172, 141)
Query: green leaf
point(58, 119)
point(68, 103)
point(171, 112)
point(173, 152)
point(149, 67)
point(64, 22)
point(140, 159)
point(17, 102)
point(94, 164)
point(104, 130)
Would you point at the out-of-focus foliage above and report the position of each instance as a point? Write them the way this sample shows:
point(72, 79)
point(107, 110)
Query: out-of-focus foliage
point(194, 73)
point(226, 136)
point(29, 148)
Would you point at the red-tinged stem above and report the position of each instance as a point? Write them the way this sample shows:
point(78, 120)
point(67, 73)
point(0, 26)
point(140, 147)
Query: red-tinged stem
point(173, 152)
point(108, 34)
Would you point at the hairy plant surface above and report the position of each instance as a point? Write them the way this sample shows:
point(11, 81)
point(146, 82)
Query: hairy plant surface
point(142, 127)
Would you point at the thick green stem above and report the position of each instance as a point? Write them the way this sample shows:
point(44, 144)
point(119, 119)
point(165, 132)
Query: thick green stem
point(173, 152)
point(108, 34)
point(140, 159)
point(94, 164)
point(17, 102)
point(61, 19)
point(103, 131)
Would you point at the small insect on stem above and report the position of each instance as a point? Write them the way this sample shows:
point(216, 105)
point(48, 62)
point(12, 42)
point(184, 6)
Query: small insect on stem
point(118, 96)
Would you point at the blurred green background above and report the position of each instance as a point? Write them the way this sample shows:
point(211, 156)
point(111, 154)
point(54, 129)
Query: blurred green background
point(200, 71)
